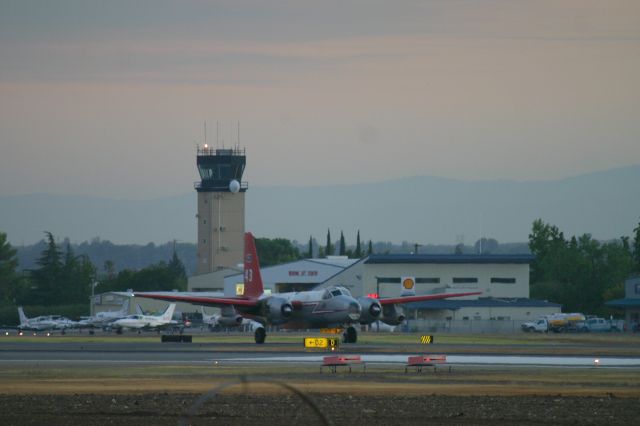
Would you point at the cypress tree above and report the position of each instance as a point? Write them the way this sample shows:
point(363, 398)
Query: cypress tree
point(343, 247)
point(329, 250)
point(358, 253)
point(310, 250)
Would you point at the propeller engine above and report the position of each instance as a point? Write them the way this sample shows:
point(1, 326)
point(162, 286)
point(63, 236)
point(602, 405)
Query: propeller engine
point(279, 310)
point(392, 315)
point(230, 321)
point(371, 310)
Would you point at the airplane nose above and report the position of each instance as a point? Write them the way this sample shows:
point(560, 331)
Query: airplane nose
point(354, 310)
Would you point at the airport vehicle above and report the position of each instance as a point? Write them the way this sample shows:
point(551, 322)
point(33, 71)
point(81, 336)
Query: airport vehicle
point(557, 323)
point(44, 322)
point(599, 325)
point(328, 308)
point(103, 319)
point(147, 322)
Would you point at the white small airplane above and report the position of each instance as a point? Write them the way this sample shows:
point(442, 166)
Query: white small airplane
point(44, 322)
point(103, 319)
point(147, 322)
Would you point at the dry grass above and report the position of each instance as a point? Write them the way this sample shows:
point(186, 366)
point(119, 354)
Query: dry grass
point(463, 381)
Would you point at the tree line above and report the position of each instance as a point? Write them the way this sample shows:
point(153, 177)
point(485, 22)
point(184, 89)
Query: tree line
point(580, 273)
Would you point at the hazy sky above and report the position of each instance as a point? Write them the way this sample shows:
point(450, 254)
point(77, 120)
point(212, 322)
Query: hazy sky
point(109, 98)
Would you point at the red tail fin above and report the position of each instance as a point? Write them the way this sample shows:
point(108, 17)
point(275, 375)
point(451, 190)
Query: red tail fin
point(252, 278)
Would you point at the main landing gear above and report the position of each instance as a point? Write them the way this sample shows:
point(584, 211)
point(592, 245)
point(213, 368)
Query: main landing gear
point(350, 335)
point(260, 335)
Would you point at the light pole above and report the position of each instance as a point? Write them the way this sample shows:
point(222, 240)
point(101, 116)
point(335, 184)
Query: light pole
point(93, 286)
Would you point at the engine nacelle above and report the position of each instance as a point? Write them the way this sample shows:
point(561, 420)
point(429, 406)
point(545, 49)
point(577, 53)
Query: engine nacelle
point(392, 315)
point(230, 321)
point(371, 310)
point(278, 310)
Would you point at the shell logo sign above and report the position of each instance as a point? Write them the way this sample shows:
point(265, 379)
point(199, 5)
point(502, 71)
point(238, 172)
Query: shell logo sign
point(408, 286)
point(408, 283)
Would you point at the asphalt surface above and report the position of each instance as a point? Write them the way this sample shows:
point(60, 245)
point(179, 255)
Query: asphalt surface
point(156, 352)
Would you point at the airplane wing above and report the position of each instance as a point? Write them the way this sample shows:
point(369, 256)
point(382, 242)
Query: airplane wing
point(199, 300)
point(420, 298)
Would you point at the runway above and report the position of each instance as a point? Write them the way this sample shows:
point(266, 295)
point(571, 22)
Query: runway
point(49, 353)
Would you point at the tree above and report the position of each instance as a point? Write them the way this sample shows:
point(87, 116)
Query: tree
point(310, 250)
point(109, 269)
point(45, 289)
point(343, 246)
point(276, 251)
point(580, 273)
point(9, 278)
point(328, 251)
point(486, 246)
point(358, 252)
point(177, 267)
point(636, 248)
point(370, 249)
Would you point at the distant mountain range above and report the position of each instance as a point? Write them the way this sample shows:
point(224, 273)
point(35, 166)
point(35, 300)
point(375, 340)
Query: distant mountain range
point(424, 210)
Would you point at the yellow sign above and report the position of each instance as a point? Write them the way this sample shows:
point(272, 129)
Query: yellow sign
point(321, 342)
point(331, 330)
point(240, 289)
point(426, 340)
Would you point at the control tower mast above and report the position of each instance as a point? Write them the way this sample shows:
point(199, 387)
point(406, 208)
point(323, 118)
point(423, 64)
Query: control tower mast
point(220, 208)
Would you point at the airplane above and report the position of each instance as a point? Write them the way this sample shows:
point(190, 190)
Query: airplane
point(146, 322)
point(103, 319)
point(219, 320)
point(44, 322)
point(333, 307)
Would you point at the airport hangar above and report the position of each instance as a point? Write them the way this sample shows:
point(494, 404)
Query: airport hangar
point(502, 279)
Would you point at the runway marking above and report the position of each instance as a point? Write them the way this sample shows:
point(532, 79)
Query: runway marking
point(466, 360)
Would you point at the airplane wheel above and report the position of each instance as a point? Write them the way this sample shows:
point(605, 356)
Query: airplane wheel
point(118, 331)
point(260, 335)
point(350, 335)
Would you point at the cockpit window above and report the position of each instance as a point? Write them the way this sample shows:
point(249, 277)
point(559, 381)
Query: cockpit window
point(336, 292)
point(345, 291)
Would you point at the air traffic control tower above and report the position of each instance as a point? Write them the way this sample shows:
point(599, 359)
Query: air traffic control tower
point(220, 208)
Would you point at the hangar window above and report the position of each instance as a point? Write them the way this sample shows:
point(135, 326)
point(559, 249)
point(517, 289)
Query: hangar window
point(427, 280)
point(503, 280)
point(389, 280)
point(464, 280)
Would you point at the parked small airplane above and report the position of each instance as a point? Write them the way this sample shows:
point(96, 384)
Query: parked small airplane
point(44, 322)
point(327, 308)
point(219, 320)
point(147, 322)
point(103, 319)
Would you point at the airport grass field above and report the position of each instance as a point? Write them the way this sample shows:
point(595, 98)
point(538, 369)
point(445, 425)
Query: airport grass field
point(248, 393)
